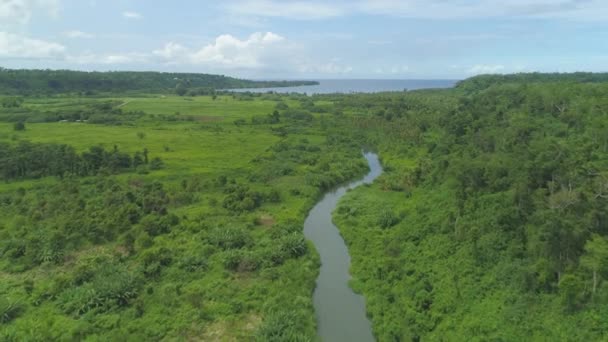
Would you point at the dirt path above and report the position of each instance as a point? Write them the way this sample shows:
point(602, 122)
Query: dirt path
point(123, 104)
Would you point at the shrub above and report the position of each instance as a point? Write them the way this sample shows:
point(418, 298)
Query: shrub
point(387, 219)
point(229, 238)
point(282, 326)
point(9, 310)
point(19, 126)
point(101, 284)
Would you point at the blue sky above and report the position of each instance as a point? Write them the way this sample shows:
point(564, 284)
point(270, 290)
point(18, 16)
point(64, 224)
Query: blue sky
point(307, 39)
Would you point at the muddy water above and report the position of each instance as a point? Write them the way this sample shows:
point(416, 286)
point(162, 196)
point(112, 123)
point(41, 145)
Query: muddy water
point(340, 312)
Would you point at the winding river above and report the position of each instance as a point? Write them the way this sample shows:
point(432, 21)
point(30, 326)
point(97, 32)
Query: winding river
point(340, 312)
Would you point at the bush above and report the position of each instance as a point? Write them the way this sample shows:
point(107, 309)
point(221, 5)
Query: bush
point(282, 326)
point(9, 310)
point(387, 219)
point(229, 238)
point(241, 261)
point(101, 283)
point(19, 126)
point(241, 198)
point(294, 245)
point(193, 262)
point(156, 164)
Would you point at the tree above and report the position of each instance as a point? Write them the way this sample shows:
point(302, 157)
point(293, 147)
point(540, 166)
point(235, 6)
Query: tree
point(181, 89)
point(19, 126)
point(156, 164)
point(12, 102)
point(571, 290)
point(138, 159)
point(595, 258)
point(275, 117)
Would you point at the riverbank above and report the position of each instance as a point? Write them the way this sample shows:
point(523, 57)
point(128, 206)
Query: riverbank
point(340, 312)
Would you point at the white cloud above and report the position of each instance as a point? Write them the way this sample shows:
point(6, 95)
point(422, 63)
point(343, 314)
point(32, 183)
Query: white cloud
point(331, 68)
point(171, 52)
point(131, 15)
point(230, 52)
point(429, 9)
point(117, 59)
point(394, 70)
point(78, 34)
point(109, 59)
point(486, 69)
point(20, 12)
point(259, 50)
point(18, 46)
point(261, 53)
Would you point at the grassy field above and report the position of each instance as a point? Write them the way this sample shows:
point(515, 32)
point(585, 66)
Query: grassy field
point(243, 291)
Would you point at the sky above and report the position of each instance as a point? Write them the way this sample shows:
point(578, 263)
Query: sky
point(285, 39)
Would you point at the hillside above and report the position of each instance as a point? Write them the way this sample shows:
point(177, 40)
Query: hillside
point(491, 221)
point(24, 82)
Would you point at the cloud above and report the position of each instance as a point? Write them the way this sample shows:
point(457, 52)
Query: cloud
point(299, 10)
point(20, 12)
point(438, 9)
point(78, 34)
point(109, 59)
point(21, 47)
point(394, 70)
point(257, 51)
point(486, 69)
point(427, 9)
point(171, 52)
point(261, 53)
point(230, 52)
point(131, 15)
point(331, 68)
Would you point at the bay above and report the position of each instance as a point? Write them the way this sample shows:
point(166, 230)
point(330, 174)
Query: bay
point(347, 86)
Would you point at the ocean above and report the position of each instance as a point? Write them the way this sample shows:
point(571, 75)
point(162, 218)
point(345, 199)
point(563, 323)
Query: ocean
point(346, 86)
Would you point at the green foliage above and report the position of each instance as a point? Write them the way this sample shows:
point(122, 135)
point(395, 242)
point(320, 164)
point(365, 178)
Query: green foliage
point(35, 160)
point(482, 82)
point(229, 238)
point(19, 126)
point(9, 310)
point(488, 224)
point(282, 326)
point(241, 198)
point(11, 102)
point(99, 284)
point(87, 83)
point(501, 185)
point(387, 219)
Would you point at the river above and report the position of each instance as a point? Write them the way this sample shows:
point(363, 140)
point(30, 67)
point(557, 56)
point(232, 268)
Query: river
point(340, 312)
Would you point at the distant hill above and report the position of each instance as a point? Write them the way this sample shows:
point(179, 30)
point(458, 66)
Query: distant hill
point(482, 82)
point(25, 82)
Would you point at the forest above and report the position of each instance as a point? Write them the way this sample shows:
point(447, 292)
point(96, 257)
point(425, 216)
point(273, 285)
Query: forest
point(154, 215)
point(46, 82)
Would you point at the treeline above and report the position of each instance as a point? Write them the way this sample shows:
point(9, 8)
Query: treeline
point(33, 82)
point(482, 82)
point(106, 112)
point(35, 160)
